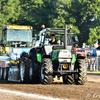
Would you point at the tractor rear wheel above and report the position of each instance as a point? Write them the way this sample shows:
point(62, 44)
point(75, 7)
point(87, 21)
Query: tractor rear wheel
point(68, 79)
point(80, 77)
point(46, 71)
point(26, 61)
point(26, 74)
point(35, 74)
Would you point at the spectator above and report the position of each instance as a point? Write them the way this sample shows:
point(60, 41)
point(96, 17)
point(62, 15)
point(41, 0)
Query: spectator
point(91, 64)
point(94, 65)
point(87, 62)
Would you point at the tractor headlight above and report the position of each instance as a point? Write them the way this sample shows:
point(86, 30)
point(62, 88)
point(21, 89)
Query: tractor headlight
point(65, 66)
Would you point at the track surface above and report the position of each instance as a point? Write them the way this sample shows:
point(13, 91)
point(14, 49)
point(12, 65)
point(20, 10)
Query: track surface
point(89, 91)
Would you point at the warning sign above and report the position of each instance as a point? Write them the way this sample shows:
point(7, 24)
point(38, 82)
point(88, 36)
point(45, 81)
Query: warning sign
point(2, 63)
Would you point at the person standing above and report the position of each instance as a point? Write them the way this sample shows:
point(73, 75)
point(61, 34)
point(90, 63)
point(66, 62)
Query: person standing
point(94, 65)
point(91, 63)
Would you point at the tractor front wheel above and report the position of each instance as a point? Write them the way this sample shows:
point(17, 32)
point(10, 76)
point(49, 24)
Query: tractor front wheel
point(46, 71)
point(21, 70)
point(80, 77)
point(25, 78)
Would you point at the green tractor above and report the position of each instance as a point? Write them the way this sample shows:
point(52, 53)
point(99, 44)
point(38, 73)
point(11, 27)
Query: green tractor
point(58, 59)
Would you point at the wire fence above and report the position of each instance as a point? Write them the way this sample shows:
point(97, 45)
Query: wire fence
point(93, 63)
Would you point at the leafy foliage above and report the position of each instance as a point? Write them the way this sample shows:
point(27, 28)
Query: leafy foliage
point(83, 15)
point(94, 35)
point(9, 11)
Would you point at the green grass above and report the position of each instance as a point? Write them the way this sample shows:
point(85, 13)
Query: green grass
point(93, 72)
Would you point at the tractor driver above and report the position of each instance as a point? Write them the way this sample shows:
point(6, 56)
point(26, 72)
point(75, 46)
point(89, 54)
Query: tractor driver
point(53, 41)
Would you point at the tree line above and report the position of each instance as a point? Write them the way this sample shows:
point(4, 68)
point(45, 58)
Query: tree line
point(83, 15)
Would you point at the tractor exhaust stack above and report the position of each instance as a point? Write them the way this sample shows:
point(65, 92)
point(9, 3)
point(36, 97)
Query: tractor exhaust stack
point(65, 46)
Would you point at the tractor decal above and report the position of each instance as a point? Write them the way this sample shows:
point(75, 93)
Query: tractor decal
point(55, 55)
point(38, 57)
point(73, 58)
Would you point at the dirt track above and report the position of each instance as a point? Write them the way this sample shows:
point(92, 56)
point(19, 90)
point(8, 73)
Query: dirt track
point(89, 91)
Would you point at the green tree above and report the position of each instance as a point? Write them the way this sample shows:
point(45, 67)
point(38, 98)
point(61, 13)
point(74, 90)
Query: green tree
point(79, 13)
point(94, 35)
point(39, 12)
point(9, 12)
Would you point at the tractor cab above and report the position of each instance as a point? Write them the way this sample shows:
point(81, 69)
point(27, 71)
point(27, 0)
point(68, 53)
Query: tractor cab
point(59, 38)
point(13, 36)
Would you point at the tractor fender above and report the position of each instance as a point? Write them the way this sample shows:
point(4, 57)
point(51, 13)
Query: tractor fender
point(46, 56)
point(33, 54)
point(80, 56)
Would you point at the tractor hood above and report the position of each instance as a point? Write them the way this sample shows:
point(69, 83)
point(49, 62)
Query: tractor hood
point(64, 54)
point(58, 55)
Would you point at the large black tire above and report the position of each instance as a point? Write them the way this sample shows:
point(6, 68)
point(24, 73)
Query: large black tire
point(46, 71)
point(3, 73)
point(68, 79)
point(25, 59)
point(80, 77)
point(0, 73)
point(21, 71)
point(26, 75)
point(7, 70)
point(35, 74)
